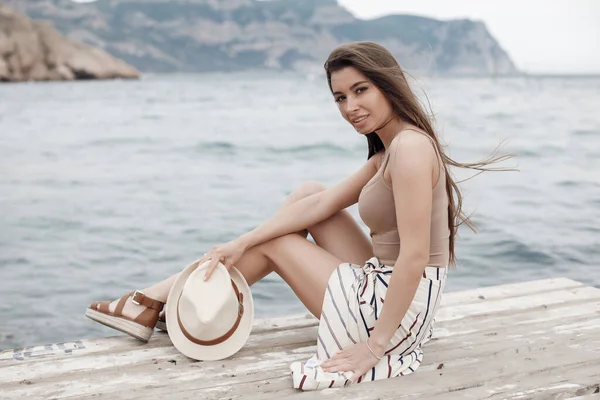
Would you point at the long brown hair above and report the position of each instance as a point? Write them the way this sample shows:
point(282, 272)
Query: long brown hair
point(382, 69)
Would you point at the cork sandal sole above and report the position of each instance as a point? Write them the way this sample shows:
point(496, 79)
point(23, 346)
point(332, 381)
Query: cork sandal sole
point(124, 325)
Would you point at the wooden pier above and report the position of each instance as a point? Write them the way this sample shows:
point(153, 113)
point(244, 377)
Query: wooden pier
point(531, 340)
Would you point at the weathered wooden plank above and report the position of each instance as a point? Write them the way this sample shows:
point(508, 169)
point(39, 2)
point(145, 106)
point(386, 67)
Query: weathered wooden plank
point(122, 343)
point(543, 313)
point(544, 380)
point(594, 396)
point(510, 342)
point(460, 355)
point(141, 354)
point(555, 371)
point(117, 344)
point(509, 351)
point(536, 387)
point(289, 322)
point(257, 345)
point(452, 383)
point(293, 321)
point(508, 290)
point(512, 304)
point(530, 383)
point(148, 376)
point(496, 330)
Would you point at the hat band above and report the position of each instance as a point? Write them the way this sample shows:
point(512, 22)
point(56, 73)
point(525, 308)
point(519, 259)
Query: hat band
point(227, 335)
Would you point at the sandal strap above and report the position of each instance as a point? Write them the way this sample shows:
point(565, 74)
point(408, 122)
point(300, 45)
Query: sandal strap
point(147, 318)
point(121, 304)
point(143, 300)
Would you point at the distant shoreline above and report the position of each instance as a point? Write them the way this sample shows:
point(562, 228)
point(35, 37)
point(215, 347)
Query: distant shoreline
point(316, 76)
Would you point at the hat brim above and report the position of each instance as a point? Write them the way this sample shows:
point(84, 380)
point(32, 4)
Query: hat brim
point(215, 352)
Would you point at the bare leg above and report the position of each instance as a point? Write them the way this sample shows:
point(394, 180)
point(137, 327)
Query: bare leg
point(302, 264)
point(339, 234)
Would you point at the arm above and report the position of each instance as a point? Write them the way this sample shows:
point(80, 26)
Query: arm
point(412, 173)
point(312, 209)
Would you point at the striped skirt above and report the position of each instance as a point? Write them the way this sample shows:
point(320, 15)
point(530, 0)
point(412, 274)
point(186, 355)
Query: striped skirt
point(353, 300)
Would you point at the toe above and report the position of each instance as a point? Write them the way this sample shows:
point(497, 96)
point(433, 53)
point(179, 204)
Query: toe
point(101, 306)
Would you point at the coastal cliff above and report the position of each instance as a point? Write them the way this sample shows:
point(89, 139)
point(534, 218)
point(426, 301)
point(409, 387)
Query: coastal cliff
point(233, 35)
point(35, 51)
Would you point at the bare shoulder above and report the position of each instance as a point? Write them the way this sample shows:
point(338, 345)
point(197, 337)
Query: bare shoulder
point(411, 155)
point(411, 145)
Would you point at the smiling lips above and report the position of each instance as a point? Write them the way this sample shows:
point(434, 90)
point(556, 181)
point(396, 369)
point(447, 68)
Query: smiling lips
point(359, 119)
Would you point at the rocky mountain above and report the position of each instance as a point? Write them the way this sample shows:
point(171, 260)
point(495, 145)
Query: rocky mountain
point(231, 35)
point(35, 51)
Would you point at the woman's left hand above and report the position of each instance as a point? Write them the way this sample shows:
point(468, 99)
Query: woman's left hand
point(357, 358)
point(228, 254)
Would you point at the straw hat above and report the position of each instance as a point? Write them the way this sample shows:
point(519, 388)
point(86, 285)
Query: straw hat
point(209, 320)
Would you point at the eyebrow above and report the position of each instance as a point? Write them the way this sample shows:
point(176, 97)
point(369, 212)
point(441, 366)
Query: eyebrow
point(352, 87)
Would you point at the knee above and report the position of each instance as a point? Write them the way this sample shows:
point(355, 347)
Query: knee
point(306, 189)
point(270, 247)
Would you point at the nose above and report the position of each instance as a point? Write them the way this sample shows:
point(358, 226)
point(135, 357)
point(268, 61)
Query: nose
point(351, 104)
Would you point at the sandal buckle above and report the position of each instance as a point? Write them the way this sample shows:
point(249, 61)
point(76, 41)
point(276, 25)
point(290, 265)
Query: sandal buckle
point(137, 292)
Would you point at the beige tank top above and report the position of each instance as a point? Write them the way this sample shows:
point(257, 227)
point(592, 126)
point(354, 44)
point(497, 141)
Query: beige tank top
point(377, 209)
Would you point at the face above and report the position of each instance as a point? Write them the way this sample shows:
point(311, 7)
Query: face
point(360, 101)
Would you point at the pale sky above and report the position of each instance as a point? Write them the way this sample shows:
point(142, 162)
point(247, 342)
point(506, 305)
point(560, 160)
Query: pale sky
point(541, 36)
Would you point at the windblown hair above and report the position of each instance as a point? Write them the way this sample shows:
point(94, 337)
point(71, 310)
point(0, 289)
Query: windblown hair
point(382, 69)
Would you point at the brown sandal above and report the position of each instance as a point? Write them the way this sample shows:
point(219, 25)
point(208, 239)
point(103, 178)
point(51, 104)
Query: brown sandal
point(161, 324)
point(140, 328)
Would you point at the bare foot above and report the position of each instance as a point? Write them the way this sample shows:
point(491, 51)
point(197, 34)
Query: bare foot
point(130, 310)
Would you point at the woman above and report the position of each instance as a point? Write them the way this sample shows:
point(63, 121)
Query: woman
point(406, 197)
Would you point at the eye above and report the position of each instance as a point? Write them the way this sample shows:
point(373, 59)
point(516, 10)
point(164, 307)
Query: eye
point(340, 99)
point(360, 90)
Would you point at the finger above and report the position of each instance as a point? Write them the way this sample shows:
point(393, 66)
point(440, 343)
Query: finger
point(203, 259)
point(335, 360)
point(344, 353)
point(224, 260)
point(332, 364)
point(227, 263)
point(211, 267)
point(357, 375)
point(209, 255)
point(339, 368)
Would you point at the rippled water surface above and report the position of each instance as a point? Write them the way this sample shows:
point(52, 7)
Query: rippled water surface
point(107, 187)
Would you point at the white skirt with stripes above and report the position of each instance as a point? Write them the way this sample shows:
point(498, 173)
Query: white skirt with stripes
point(353, 300)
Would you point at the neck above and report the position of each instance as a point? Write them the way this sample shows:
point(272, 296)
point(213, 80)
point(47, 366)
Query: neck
point(388, 132)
